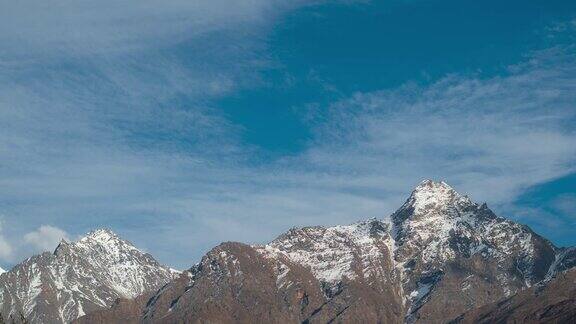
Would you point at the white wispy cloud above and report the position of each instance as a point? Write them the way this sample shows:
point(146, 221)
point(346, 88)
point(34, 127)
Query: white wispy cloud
point(117, 129)
point(105, 103)
point(45, 238)
point(5, 246)
point(88, 27)
point(492, 137)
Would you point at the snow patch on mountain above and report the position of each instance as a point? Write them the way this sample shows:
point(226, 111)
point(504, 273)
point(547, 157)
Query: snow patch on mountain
point(330, 252)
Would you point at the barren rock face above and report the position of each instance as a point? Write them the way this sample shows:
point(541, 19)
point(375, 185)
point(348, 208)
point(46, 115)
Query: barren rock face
point(437, 257)
point(78, 278)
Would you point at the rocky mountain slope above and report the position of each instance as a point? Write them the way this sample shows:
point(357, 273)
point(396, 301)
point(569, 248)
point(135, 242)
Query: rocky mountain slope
point(437, 257)
point(456, 254)
point(549, 302)
point(78, 278)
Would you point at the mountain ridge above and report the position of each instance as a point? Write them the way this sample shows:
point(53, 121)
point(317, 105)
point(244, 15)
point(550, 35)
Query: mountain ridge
point(438, 256)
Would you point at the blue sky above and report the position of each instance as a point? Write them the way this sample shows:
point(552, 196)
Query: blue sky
point(180, 125)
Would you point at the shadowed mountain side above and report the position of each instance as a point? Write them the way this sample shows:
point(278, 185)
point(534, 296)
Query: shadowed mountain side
point(550, 302)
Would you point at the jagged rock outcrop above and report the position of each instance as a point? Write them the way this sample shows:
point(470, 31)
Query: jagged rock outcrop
point(437, 257)
point(79, 278)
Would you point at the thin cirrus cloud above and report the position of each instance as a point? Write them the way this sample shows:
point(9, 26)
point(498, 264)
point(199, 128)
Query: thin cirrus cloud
point(566, 204)
point(118, 130)
point(88, 27)
point(107, 99)
point(491, 138)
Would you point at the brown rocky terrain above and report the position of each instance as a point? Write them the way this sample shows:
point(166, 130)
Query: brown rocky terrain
point(440, 255)
point(237, 283)
point(550, 302)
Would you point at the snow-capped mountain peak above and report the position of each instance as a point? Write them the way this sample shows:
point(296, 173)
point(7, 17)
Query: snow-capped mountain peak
point(432, 210)
point(438, 225)
point(429, 184)
point(106, 241)
point(431, 195)
point(102, 237)
point(79, 277)
point(101, 234)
